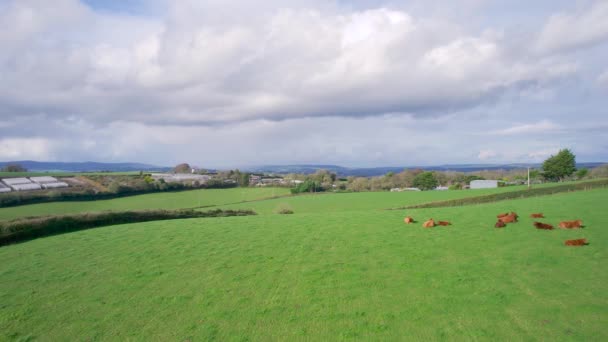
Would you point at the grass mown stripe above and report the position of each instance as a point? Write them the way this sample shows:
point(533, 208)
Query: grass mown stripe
point(510, 195)
point(29, 228)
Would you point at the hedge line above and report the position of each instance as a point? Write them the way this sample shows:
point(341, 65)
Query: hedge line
point(16, 198)
point(513, 195)
point(29, 228)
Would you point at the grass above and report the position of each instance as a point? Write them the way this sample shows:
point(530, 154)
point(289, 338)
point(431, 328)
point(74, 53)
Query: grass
point(358, 201)
point(171, 200)
point(23, 229)
point(328, 272)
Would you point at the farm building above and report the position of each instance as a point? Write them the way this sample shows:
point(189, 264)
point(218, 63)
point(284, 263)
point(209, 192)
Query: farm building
point(48, 182)
point(16, 181)
point(44, 179)
point(4, 188)
point(24, 187)
point(484, 184)
point(181, 177)
point(21, 184)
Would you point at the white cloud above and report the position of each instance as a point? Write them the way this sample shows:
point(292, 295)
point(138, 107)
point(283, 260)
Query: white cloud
point(225, 83)
point(544, 126)
point(585, 27)
point(288, 63)
point(602, 79)
point(543, 154)
point(486, 154)
point(25, 148)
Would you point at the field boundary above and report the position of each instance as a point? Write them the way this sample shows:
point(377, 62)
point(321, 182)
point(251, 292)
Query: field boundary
point(504, 196)
point(24, 229)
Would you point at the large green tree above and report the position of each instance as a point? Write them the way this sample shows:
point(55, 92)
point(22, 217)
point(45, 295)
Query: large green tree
point(559, 166)
point(426, 181)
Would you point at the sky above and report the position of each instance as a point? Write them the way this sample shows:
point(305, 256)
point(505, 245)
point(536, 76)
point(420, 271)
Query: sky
point(361, 83)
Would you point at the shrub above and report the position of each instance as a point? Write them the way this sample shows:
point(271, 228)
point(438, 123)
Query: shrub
point(29, 228)
point(284, 209)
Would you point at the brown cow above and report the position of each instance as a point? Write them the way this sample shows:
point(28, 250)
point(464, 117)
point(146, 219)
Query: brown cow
point(512, 217)
point(443, 223)
point(500, 224)
point(502, 215)
point(540, 225)
point(577, 242)
point(538, 215)
point(408, 220)
point(428, 224)
point(571, 224)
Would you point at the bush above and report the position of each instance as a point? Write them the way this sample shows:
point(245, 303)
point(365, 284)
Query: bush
point(456, 186)
point(284, 209)
point(307, 186)
point(29, 228)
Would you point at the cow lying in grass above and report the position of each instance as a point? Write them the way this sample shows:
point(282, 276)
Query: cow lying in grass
point(537, 215)
point(540, 225)
point(577, 242)
point(408, 220)
point(443, 223)
point(512, 217)
point(571, 224)
point(429, 224)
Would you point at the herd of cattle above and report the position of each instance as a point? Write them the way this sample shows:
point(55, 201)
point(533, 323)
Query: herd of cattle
point(511, 217)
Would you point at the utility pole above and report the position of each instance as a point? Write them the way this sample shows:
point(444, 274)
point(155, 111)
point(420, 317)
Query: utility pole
point(528, 177)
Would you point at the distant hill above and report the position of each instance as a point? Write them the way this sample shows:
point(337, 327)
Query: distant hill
point(36, 166)
point(378, 171)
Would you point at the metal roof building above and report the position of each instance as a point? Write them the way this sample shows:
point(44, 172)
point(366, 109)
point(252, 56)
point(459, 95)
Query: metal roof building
point(484, 184)
point(4, 188)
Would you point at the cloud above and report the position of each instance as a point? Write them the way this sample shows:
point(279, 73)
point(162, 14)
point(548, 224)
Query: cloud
point(602, 79)
point(540, 155)
point(289, 62)
point(575, 30)
point(486, 154)
point(544, 126)
point(230, 83)
point(25, 148)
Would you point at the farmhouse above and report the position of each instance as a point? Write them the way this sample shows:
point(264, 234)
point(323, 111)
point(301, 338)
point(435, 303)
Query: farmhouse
point(484, 184)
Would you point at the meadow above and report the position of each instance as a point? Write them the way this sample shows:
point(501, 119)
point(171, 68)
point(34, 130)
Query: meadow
point(340, 268)
point(166, 200)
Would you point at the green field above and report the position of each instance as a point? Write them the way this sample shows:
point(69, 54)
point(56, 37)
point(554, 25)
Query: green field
point(171, 200)
point(340, 268)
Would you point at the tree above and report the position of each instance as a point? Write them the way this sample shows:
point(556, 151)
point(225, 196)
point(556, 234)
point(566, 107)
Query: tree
point(359, 184)
point(426, 181)
point(559, 166)
point(182, 168)
point(307, 186)
point(13, 168)
point(582, 173)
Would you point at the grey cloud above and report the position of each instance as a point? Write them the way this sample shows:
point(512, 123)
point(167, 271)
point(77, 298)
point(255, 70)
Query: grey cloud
point(585, 27)
point(236, 83)
point(297, 62)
